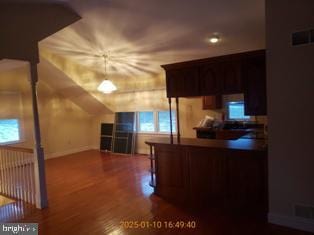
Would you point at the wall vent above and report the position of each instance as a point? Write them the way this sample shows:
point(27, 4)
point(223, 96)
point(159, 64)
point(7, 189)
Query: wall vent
point(303, 37)
point(312, 36)
point(304, 211)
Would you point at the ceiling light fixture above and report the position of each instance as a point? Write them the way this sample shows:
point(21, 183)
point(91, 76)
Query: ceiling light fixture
point(106, 86)
point(214, 39)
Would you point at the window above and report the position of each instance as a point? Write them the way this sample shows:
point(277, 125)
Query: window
point(156, 122)
point(146, 122)
point(9, 130)
point(164, 121)
point(236, 111)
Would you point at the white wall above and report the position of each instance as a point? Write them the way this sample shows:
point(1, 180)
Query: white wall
point(65, 127)
point(191, 113)
point(290, 78)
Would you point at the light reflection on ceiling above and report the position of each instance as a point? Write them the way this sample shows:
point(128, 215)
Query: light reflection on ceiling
point(143, 34)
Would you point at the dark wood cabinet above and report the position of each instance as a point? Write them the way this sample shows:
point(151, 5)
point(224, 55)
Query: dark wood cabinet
point(254, 78)
point(232, 77)
point(171, 172)
point(210, 79)
point(207, 176)
point(203, 176)
point(212, 102)
point(230, 74)
point(183, 82)
point(250, 168)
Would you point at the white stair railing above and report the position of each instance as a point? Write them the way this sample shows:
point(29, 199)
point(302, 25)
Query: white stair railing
point(17, 178)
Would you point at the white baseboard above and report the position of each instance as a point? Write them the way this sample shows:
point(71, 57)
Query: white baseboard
point(292, 222)
point(142, 150)
point(67, 152)
point(95, 147)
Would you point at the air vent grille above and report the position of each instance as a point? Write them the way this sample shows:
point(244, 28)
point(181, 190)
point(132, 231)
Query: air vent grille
point(303, 37)
point(312, 35)
point(304, 211)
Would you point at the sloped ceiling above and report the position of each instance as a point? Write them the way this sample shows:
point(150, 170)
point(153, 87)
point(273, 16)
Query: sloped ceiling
point(140, 35)
point(24, 23)
point(60, 82)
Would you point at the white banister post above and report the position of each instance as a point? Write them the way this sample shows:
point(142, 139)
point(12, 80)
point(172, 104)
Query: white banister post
point(39, 163)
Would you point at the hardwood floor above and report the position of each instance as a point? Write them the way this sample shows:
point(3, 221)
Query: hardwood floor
point(93, 192)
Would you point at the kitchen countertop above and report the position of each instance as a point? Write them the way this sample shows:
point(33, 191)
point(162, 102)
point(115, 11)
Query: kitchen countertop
point(239, 144)
point(249, 133)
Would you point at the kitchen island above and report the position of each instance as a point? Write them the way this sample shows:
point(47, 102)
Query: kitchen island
point(202, 173)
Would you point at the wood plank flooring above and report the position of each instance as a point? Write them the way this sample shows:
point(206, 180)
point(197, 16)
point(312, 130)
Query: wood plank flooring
point(93, 192)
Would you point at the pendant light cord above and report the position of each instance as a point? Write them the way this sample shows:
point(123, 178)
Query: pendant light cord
point(105, 56)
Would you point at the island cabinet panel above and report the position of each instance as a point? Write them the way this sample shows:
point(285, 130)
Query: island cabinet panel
point(183, 82)
point(254, 77)
point(201, 177)
point(171, 173)
point(247, 181)
point(207, 178)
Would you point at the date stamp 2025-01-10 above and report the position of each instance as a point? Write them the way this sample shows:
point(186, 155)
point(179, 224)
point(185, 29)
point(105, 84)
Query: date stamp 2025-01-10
point(130, 224)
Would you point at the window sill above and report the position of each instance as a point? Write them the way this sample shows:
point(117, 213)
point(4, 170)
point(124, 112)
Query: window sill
point(13, 142)
point(155, 134)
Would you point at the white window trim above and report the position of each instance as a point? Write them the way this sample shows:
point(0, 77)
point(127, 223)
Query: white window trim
point(21, 131)
point(138, 123)
point(163, 132)
point(156, 124)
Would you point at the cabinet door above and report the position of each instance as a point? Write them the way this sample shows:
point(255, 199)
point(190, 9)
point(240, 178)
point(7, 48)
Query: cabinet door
point(171, 172)
point(247, 180)
point(207, 177)
point(182, 82)
point(254, 76)
point(232, 77)
point(210, 79)
point(212, 102)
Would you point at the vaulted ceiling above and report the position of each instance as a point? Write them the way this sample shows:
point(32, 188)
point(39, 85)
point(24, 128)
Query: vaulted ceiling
point(139, 36)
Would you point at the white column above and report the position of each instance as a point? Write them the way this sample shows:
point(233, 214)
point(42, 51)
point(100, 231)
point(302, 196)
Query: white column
point(39, 163)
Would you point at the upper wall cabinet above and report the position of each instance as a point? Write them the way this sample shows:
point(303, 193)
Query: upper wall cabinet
point(182, 82)
point(254, 80)
point(212, 102)
point(232, 77)
point(230, 74)
point(209, 79)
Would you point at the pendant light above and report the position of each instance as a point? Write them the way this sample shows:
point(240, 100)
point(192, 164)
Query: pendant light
point(106, 86)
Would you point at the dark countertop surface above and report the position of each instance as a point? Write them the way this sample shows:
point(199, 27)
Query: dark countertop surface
point(239, 144)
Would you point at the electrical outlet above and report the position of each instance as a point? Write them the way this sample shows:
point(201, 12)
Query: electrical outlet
point(302, 37)
point(299, 38)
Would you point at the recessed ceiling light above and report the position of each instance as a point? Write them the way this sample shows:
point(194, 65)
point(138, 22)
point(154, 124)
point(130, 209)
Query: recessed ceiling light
point(214, 39)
